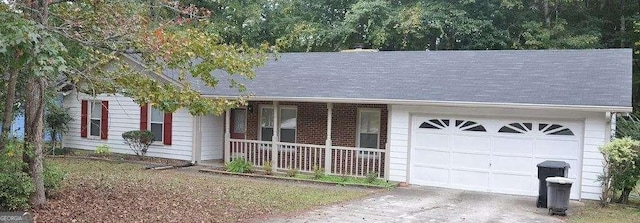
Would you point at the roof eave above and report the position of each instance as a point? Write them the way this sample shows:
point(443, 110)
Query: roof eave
point(594, 108)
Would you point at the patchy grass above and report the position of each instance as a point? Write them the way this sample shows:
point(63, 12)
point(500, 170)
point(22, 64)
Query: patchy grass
point(593, 213)
point(97, 191)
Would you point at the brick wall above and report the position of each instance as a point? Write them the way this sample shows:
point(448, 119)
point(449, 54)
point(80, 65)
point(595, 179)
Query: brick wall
point(312, 122)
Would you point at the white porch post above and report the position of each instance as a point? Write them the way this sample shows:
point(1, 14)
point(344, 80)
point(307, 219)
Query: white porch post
point(327, 151)
point(275, 138)
point(227, 136)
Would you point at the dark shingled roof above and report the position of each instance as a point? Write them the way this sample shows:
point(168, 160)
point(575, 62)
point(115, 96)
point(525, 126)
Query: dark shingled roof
point(549, 77)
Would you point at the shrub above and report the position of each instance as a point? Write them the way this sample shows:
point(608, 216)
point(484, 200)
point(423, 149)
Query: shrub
point(15, 184)
point(621, 168)
point(53, 176)
point(292, 172)
point(102, 150)
point(372, 177)
point(138, 141)
point(239, 165)
point(318, 173)
point(268, 167)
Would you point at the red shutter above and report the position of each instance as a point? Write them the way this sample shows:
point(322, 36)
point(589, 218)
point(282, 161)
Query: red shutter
point(168, 119)
point(144, 117)
point(83, 118)
point(104, 120)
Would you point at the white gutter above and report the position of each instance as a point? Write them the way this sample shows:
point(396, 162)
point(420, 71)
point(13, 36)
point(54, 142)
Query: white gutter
point(436, 103)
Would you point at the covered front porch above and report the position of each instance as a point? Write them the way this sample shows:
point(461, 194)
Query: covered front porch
point(338, 138)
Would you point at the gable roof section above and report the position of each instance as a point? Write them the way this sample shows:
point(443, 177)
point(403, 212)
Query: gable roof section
point(599, 78)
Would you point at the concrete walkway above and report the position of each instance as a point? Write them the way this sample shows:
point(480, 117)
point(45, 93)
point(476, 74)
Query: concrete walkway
point(428, 204)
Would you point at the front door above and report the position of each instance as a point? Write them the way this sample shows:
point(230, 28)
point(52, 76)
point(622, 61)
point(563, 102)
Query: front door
point(238, 123)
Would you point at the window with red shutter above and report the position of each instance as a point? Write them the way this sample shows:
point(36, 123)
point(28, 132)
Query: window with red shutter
point(84, 108)
point(104, 120)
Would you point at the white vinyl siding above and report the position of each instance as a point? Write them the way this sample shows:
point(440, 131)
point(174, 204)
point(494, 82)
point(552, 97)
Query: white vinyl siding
point(594, 124)
point(124, 115)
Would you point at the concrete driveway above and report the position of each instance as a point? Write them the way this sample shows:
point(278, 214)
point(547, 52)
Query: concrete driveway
point(429, 204)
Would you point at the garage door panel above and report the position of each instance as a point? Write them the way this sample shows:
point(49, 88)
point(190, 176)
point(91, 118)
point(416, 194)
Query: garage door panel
point(431, 157)
point(475, 143)
point(511, 145)
point(556, 147)
point(431, 140)
point(470, 180)
point(470, 161)
point(512, 184)
point(431, 176)
point(512, 164)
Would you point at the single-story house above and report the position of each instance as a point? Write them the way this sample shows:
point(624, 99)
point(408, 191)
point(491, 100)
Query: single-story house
point(472, 120)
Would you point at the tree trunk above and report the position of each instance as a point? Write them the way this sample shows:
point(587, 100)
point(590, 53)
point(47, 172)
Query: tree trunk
point(34, 115)
point(624, 197)
point(623, 24)
point(34, 130)
point(8, 107)
point(547, 16)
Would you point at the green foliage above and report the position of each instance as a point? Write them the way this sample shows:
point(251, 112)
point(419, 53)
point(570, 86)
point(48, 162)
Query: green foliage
point(102, 150)
point(291, 172)
point(53, 177)
point(57, 119)
point(318, 172)
point(138, 141)
point(15, 184)
point(372, 176)
point(268, 167)
point(621, 166)
point(239, 165)
point(628, 127)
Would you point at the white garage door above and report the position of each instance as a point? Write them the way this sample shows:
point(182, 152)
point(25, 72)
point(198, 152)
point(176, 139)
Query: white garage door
point(492, 155)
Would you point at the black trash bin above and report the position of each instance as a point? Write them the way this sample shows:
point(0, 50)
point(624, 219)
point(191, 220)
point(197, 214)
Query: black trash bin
point(546, 169)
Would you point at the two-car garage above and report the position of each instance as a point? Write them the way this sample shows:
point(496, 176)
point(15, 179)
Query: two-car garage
point(491, 154)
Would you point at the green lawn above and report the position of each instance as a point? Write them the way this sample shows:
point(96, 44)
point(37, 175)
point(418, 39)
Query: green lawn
point(593, 213)
point(102, 191)
point(614, 213)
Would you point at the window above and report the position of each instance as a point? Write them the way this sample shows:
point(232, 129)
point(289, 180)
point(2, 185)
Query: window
point(95, 118)
point(239, 121)
point(516, 127)
point(435, 124)
point(288, 124)
point(368, 128)
point(156, 122)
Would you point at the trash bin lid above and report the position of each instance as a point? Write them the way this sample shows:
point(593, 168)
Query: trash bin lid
point(554, 164)
point(559, 180)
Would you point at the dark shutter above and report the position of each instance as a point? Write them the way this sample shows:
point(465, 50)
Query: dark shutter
point(144, 117)
point(84, 108)
point(104, 120)
point(168, 123)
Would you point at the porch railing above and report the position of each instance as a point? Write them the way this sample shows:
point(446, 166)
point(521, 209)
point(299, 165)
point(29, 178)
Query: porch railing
point(347, 161)
point(357, 161)
point(256, 152)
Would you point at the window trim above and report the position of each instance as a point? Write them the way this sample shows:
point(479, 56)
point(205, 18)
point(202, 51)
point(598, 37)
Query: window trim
point(90, 118)
point(360, 111)
point(279, 121)
point(161, 142)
